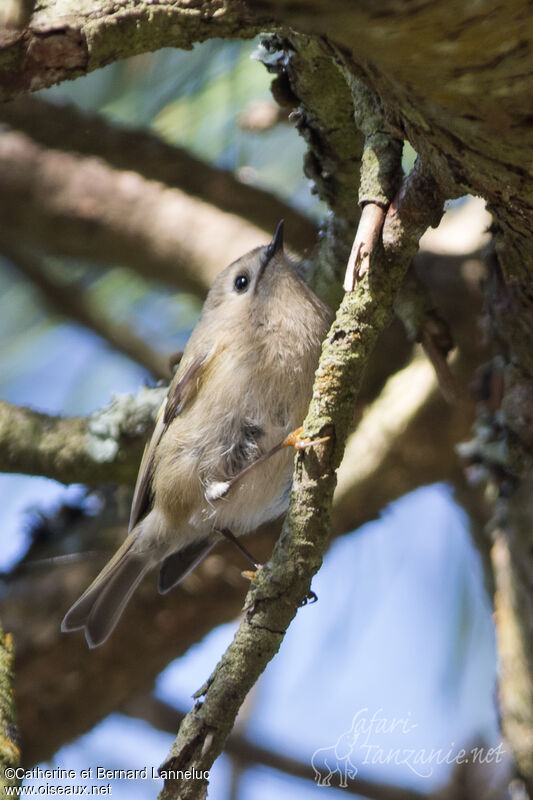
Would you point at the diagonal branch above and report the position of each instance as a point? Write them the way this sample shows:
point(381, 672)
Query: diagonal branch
point(70, 301)
point(390, 454)
point(281, 587)
point(74, 205)
point(68, 129)
point(245, 753)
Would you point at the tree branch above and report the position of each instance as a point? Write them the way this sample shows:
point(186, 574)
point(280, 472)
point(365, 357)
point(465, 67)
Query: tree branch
point(70, 301)
point(103, 448)
point(281, 587)
point(514, 615)
point(381, 175)
point(61, 45)
point(86, 208)
point(9, 740)
point(65, 128)
point(247, 754)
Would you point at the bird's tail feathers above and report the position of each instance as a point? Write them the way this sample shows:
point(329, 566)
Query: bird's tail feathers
point(99, 608)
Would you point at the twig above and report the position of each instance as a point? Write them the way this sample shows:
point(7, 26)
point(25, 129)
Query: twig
point(366, 239)
point(70, 302)
point(281, 587)
point(380, 178)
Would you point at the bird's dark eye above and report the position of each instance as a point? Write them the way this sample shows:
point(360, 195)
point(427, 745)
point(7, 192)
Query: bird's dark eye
point(241, 283)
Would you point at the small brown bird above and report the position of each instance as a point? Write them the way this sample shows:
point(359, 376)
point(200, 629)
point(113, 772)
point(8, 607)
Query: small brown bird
point(216, 464)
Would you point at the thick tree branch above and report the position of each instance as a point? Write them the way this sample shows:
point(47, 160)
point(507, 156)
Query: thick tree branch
point(103, 448)
point(281, 587)
point(88, 209)
point(70, 301)
point(65, 128)
point(61, 44)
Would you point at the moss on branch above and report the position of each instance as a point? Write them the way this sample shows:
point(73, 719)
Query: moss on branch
point(9, 740)
point(103, 448)
point(62, 44)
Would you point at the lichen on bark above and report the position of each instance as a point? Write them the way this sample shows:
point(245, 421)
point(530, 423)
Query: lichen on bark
point(9, 740)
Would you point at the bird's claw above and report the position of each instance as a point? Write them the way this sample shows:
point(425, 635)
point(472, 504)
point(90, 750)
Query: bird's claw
point(309, 599)
point(294, 440)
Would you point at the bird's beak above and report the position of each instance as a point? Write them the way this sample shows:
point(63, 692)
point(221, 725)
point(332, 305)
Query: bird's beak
point(277, 242)
point(275, 246)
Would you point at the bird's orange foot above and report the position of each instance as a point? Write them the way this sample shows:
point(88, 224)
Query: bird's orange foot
point(294, 440)
point(250, 574)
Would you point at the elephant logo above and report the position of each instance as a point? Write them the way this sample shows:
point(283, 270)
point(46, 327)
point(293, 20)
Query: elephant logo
point(335, 759)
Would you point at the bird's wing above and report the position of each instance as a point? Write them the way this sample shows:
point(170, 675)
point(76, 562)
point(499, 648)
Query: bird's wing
point(181, 392)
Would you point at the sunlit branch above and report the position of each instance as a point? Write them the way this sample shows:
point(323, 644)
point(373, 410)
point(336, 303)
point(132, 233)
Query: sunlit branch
point(81, 206)
point(66, 128)
point(105, 447)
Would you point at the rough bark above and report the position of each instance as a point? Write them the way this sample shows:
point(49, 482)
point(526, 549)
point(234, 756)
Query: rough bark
point(61, 44)
point(9, 739)
point(105, 447)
